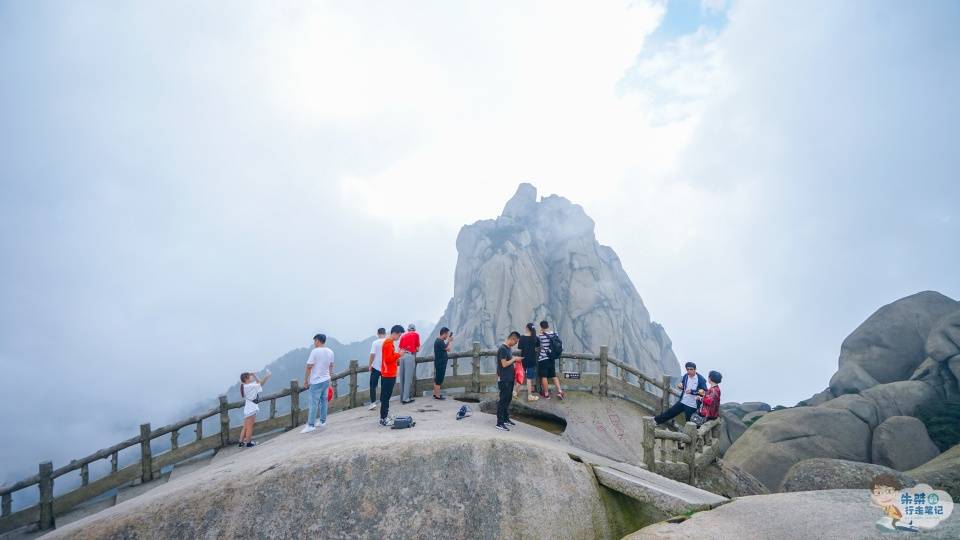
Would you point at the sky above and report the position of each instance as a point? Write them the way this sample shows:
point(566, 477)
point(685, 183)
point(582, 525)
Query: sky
point(191, 189)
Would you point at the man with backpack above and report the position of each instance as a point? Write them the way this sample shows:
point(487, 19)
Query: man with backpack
point(692, 384)
point(551, 347)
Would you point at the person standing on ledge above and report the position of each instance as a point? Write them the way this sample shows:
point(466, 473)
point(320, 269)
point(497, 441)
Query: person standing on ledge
point(505, 378)
point(441, 346)
point(390, 356)
point(409, 347)
point(692, 384)
point(316, 379)
point(376, 358)
point(547, 364)
point(528, 350)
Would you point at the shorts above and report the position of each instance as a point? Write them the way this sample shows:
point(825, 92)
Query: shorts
point(530, 373)
point(547, 369)
point(439, 371)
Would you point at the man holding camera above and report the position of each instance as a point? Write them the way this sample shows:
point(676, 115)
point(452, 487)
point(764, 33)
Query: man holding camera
point(692, 384)
point(441, 347)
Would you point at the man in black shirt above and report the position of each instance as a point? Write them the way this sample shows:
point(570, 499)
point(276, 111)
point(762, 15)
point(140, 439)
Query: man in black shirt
point(441, 346)
point(505, 376)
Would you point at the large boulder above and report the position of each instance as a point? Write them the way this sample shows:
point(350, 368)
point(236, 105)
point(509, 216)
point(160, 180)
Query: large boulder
point(817, 399)
point(944, 339)
point(728, 480)
point(942, 472)
point(825, 473)
point(891, 343)
point(731, 430)
point(862, 407)
point(782, 438)
point(902, 398)
point(902, 443)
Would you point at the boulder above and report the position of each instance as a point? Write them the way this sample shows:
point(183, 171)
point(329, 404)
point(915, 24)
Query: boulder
point(825, 473)
point(902, 443)
point(850, 379)
point(729, 480)
point(751, 406)
point(942, 472)
point(782, 438)
point(943, 342)
point(752, 417)
point(903, 398)
point(862, 407)
point(816, 399)
point(730, 431)
point(891, 343)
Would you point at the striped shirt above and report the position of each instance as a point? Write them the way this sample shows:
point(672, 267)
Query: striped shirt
point(544, 345)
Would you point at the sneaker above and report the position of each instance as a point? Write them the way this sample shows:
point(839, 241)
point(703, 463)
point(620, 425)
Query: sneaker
point(372, 406)
point(515, 394)
point(510, 423)
point(307, 429)
point(322, 424)
point(560, 396)
point(240, 445)
point(532, 397)
point(439, 397)
point(251, 444)
point(386, 422)
point(502, 427)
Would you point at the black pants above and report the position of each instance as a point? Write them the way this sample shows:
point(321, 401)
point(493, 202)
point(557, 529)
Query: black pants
point(503, 405)
point(374, 379)
point(674, 411)
point(386, 392)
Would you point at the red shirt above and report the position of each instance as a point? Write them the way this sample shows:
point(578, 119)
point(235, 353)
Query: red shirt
point(711, 403)
point(410, 342)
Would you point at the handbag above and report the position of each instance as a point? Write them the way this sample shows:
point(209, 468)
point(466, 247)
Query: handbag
point(697, 419)
point(330, 394)
point(403, 422)
point(518, 373)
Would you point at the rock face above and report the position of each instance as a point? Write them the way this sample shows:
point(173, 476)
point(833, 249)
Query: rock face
point(942, 471)
point(541, 260)
point(822, 473)
point(902, 443)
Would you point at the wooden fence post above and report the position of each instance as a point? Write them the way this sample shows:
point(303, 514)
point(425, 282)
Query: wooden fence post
point(295, 403)
point(46, 496)
point(648, 441)
point(7, 504)
point(224, 421)
point(353, 383)
point(146, 455)
point(665, 398)
point(581, 365)
point(456, 364)
point(476, 366)
point(603, 370)
point(690, 452)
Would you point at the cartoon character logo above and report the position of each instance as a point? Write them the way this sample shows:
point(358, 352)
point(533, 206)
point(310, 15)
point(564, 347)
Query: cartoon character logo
point(911, 509)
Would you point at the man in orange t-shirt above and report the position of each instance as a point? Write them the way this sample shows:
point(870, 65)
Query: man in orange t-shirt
point(388, 374)
point(409, 347)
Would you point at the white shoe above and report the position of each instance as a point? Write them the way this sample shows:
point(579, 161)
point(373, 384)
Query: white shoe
point(307, 429)
point(317, 424)
point(322, 424)
point(372, 406)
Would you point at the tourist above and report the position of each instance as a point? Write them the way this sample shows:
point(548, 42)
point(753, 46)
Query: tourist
point(250, 387)
point(711, 398)
point(316, 377)
point(505, 380)
point(409, 347)
point(691, 384)
point(441, 346)
point(528, 350)
point(388, 373)
point(376, 356)
point(547, 361)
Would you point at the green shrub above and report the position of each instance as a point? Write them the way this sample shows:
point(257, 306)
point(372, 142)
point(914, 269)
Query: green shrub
point(943, 423)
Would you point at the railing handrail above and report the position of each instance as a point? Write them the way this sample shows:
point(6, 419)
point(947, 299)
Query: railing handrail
point(46, 475)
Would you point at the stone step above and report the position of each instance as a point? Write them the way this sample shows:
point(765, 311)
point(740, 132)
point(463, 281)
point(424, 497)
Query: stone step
point(666, 495)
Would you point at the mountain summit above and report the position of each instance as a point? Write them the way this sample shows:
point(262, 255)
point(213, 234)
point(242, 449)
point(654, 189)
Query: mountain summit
point(541, 260)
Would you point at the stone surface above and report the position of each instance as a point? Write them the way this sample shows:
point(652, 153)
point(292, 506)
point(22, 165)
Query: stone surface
point(831, 514)
point(850, 379)
point(731, 430)
point(817, 399)
point(782, 438)
point(902, 398)
point(752, 417)
point(942, 472)
point(443, 479)
point(728, 480)
point(823, 473)
point(891, 343)
point(943, 342)
point(541, 260)
point(902, 443)
point(862, 407)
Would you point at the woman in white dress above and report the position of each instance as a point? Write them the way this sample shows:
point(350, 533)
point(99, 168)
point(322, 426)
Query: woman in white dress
point(250, 388)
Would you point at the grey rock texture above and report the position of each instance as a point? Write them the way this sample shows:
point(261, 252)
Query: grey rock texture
point(731, 430)
point(817, 399)
point(751, 417)
point(824, 473)
point(835, 513)
point(902, 443)
point(943, 342)
point(942, 471)
point(541, 260)
point(730, 481)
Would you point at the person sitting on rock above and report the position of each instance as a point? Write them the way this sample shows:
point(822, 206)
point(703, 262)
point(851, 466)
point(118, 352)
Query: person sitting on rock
point(691, 384)
point(388, 377)
point(711, 398)
point(505, 379)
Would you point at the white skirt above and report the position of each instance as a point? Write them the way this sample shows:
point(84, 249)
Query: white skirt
point(250, 408)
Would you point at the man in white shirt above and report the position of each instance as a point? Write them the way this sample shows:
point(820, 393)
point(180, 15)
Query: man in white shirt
point(376, 358)
point(692, 384)
point(316, 378)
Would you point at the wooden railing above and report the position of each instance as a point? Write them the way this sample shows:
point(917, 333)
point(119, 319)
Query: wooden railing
point(680, 455)
point(626, 383)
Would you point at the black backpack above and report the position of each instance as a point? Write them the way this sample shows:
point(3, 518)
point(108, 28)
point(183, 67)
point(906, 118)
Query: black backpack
point(403, 422)
point(556, 346)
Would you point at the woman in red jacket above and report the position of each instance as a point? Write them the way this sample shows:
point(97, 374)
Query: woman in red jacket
point(388, 375)
point(711, 398)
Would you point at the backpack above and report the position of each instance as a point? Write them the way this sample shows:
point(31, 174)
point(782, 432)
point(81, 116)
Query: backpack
point(556, 346)
point(403, 422)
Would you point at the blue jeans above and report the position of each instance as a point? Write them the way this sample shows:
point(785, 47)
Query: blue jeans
point(317, 393)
